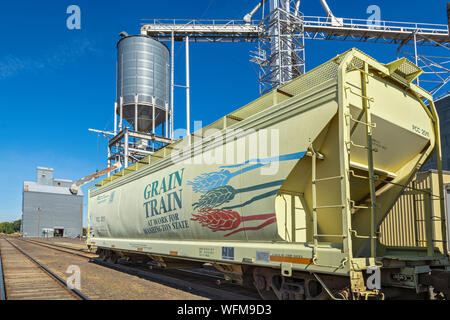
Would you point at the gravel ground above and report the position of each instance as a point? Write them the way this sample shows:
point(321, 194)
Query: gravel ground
point(99, 282)
point(68, 242)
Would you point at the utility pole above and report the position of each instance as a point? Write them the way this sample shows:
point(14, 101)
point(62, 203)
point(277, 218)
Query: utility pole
point(39, 222)
point(188, 99)
point(81, 221)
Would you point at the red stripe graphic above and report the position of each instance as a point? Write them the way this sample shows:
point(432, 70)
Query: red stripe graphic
point(228, 220)
point(268, 222)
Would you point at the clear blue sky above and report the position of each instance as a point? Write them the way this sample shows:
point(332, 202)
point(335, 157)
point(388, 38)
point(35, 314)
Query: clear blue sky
point(56, 83)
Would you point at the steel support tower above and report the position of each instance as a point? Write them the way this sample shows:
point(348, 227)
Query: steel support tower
point(281, 33)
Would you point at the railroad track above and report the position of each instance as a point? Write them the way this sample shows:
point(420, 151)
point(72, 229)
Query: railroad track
point(73, 251)
point(2, 280)
point(25, 278)
point(85, 250)
point(202, 281)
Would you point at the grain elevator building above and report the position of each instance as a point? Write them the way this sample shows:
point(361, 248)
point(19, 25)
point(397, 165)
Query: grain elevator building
point(49, 208)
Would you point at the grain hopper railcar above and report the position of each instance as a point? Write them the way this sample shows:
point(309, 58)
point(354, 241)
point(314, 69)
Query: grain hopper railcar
point(290, 190)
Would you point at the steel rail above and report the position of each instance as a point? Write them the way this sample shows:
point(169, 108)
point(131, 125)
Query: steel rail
point(2, 281)
point(51, 246)
point(56, 245)
point(171, 278)
point(78, 293)
point(161, 275)
point(125, 267)
point(60, 246)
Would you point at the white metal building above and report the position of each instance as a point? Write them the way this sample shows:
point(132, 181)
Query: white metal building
point(49, 208)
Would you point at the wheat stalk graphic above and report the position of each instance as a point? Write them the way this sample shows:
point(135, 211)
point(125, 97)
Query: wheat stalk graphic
point(221, 195)
point(227, 220)
point(212, 180)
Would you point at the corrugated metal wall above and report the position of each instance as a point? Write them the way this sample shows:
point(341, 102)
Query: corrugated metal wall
point(48, 210)
point(416, 214)
point(405, 223)
point(44, 176)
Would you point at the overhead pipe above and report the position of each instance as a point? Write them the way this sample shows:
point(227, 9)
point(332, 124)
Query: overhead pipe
point(334, 21)
point(75, 187)
point(248, 17)
point(327, 8)
point(297, 8)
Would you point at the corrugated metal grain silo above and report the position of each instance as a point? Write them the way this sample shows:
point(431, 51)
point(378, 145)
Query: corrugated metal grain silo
point(143, 81)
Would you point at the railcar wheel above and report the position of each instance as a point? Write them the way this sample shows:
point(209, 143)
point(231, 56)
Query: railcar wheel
point(315, 291)
point(264, 291)
point(272, 286)
point(113, 257)
point(104, 255)
point(301, 286)
point(101, 254)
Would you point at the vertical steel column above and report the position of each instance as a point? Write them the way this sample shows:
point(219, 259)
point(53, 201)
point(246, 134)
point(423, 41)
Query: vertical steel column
point(125, 148)
point(415, 54)
point(167, 121)
point(297, 8)
point(153, 114)
point(188, 98)
point(136, 97)
point(172, 71)
point(288, 44)
point(39, 222)
point(109, 159)
point(121, 114)
point(275, 43)
point(115, 118)
point(279, 51)
point(81, 221)
point(303, 50)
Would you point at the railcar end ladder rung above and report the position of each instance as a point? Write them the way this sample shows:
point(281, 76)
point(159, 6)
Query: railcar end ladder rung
point(330, 236)
point(371, 99)
point(327, 179)
point(329, 207)
point(353, 204)
point(370, 124)
point(356, 235)
point(352, 172)
point(360, 146)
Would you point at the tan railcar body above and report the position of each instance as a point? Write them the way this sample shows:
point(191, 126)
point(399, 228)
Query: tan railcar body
point(315, 205)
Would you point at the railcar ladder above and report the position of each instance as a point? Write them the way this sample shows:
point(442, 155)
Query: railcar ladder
point(371, 176)
point(424, 225)
point(316, 208)
point(369, 126)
